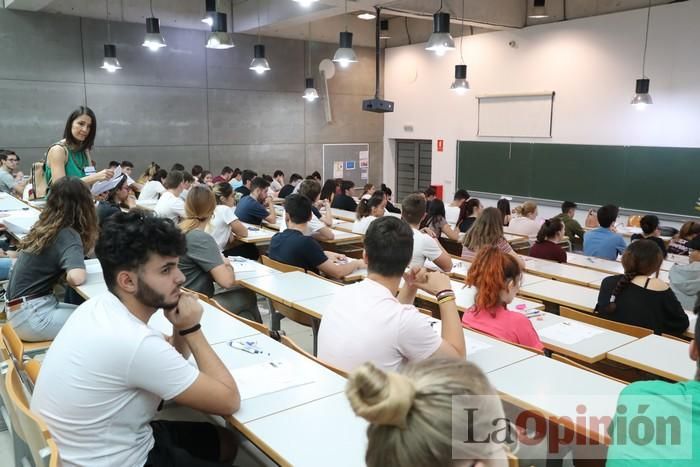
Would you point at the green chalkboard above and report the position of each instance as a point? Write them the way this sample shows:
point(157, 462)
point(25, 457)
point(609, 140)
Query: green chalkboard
point(657, 179)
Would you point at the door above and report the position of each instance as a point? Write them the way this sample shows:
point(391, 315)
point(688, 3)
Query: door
point(413, 166)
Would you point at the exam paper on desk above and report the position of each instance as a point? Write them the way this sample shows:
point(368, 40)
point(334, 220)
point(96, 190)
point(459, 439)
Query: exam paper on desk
point(569, 332)
point(268, 377)
point(241, 265)
point(473, 345)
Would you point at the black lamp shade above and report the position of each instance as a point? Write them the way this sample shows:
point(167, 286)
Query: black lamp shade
point(152, 26)
point(309, 83)
point(642, 86)
point(259, 51)
point(441, 23)
point(538, 3)
point(460, 71)
point(219, 24)
point(110, 51)
point(384, 25)
point(210, 6)
point(345, 41)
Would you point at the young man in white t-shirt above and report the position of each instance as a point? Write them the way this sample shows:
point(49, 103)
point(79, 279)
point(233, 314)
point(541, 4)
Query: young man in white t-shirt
point(107, 370)
point(319, 225)
point(170, 205)
point(452, 210)
point(374, 321)
point(425, 247)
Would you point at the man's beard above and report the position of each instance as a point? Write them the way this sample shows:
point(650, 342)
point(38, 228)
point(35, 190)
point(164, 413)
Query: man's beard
point(150, 297)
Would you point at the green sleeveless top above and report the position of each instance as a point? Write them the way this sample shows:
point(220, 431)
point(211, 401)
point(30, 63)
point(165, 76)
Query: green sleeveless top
point(75, 164)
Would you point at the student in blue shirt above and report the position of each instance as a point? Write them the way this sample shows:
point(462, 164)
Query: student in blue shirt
point(603, 242)
point(250, 208)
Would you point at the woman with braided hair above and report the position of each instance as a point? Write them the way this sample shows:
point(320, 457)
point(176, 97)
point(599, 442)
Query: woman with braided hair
point(637, 299)
point(411, 415)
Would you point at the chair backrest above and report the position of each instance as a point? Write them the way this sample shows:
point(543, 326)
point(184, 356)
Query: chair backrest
point(33, 430)
point(294, 346)
point(568, 361)
point(199, 295)
point(675, 338)
point(267, 261)
point(14, 345)
point(31, 368)
point(589, 318)
point(311, 273)
point(512, 460)
point(253, 324)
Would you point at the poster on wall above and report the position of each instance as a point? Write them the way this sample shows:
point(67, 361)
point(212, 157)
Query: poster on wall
point(364, 164)
point(364, 155)
point(349, 165)
point(364, 174)
point(337, 169)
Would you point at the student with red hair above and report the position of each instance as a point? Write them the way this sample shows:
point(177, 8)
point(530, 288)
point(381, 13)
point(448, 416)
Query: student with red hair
point(496, 276)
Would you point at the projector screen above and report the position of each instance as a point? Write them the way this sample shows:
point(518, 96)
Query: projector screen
point(525, 115)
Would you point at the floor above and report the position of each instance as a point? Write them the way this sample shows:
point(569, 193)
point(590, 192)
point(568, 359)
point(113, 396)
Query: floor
point(249, 455)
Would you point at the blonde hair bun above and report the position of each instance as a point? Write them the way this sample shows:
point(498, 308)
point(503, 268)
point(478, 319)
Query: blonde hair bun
point(379, 397)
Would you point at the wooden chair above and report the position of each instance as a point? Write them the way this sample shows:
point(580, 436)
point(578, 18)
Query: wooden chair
point(200, 296)
point(17, 348)
point(589, 318)
point(253, 324)
point(33, 430)
point(280, 310)
point(31, 369)
point(676, 338)
point(327, 279)
point(294, 346)
point(512, 460)
point(568, 361)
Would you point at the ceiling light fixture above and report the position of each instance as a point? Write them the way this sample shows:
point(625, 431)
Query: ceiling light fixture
point(365, 15)
point(384, 29)
point(310, 93)
point(110, 61)
point(219, 38)
point(440, 40)
point(209, 12)
point(305, 3)
point(154, 39)
point(259, 64)
point(539, 10)
point(642, 98)
point(345, 55)
point(460, 85)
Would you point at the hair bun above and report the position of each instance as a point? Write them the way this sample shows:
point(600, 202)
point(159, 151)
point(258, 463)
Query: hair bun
point(382, 398)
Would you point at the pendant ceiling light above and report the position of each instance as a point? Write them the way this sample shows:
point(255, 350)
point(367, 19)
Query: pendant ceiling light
point(305, 3)
point(460, 85)
point(440, 40)
point(110, 61)
point(310, 93)
point(384, 29)
point(259, 64)
point(642, 98)
point(154, 39)
point(345, 55)
point(209, 12)
point(539, 10)
point(219, 38)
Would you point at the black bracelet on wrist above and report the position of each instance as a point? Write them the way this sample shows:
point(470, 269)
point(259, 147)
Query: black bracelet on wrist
point(194, 328)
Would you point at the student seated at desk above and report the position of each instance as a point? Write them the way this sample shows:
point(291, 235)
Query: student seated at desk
point(189, 181)
point(368, 209)
point(573, 229)
point(153, 188)
point(170, 205)
point(604, 242)
point(503, 205)
point(525, 223)
point(546, 246)
point(289, 188)
point(225, 227)
point(293, 247)
point(368, 322)
point(247, 179)
point(685, 278)
point(496, 276)
point(487, 231)
point(328, 191)
point(344, 200)
point(671, 402)
point(425, 247)
point(203, 264)
point(410, 416)
point(468, 214)
point(106, 373)
point(55, 245)
point(116, 199)
point(679, 244)
point(650, 231)
point(250, 208)
point(637, 299)
point(277, 181)
point(368, 191)
point(389, 206)
point(436, 222)
point(236, 178)
point(453, 210)
point(319, 225)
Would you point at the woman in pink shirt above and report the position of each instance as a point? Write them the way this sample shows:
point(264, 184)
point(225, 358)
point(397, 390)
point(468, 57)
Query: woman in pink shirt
point(496, 276)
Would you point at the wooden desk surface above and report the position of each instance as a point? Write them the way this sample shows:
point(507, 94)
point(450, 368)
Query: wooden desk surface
point(658, 355)
point(347, 216)
point(344, 238)
point(257, 235)
point(465, 298)
point(290, 287)
point(564, 272)
point(562, 293)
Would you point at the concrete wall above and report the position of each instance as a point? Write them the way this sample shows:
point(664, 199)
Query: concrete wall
point(591, 63)
point(184, 103)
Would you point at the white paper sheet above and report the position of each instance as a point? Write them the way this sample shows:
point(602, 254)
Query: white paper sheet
point(268, 377)
point(92, 266)
point(569, 332)
point(474, 346)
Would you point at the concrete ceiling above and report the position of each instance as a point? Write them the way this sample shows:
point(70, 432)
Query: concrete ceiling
point(409, 20)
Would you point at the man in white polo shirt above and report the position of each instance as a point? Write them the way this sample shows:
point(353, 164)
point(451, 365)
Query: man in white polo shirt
point(107, 371)
point(375, 321)
point(425, 247)
point(170, 205)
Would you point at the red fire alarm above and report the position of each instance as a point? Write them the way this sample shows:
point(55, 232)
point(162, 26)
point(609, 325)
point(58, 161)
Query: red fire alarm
point(440, 144)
